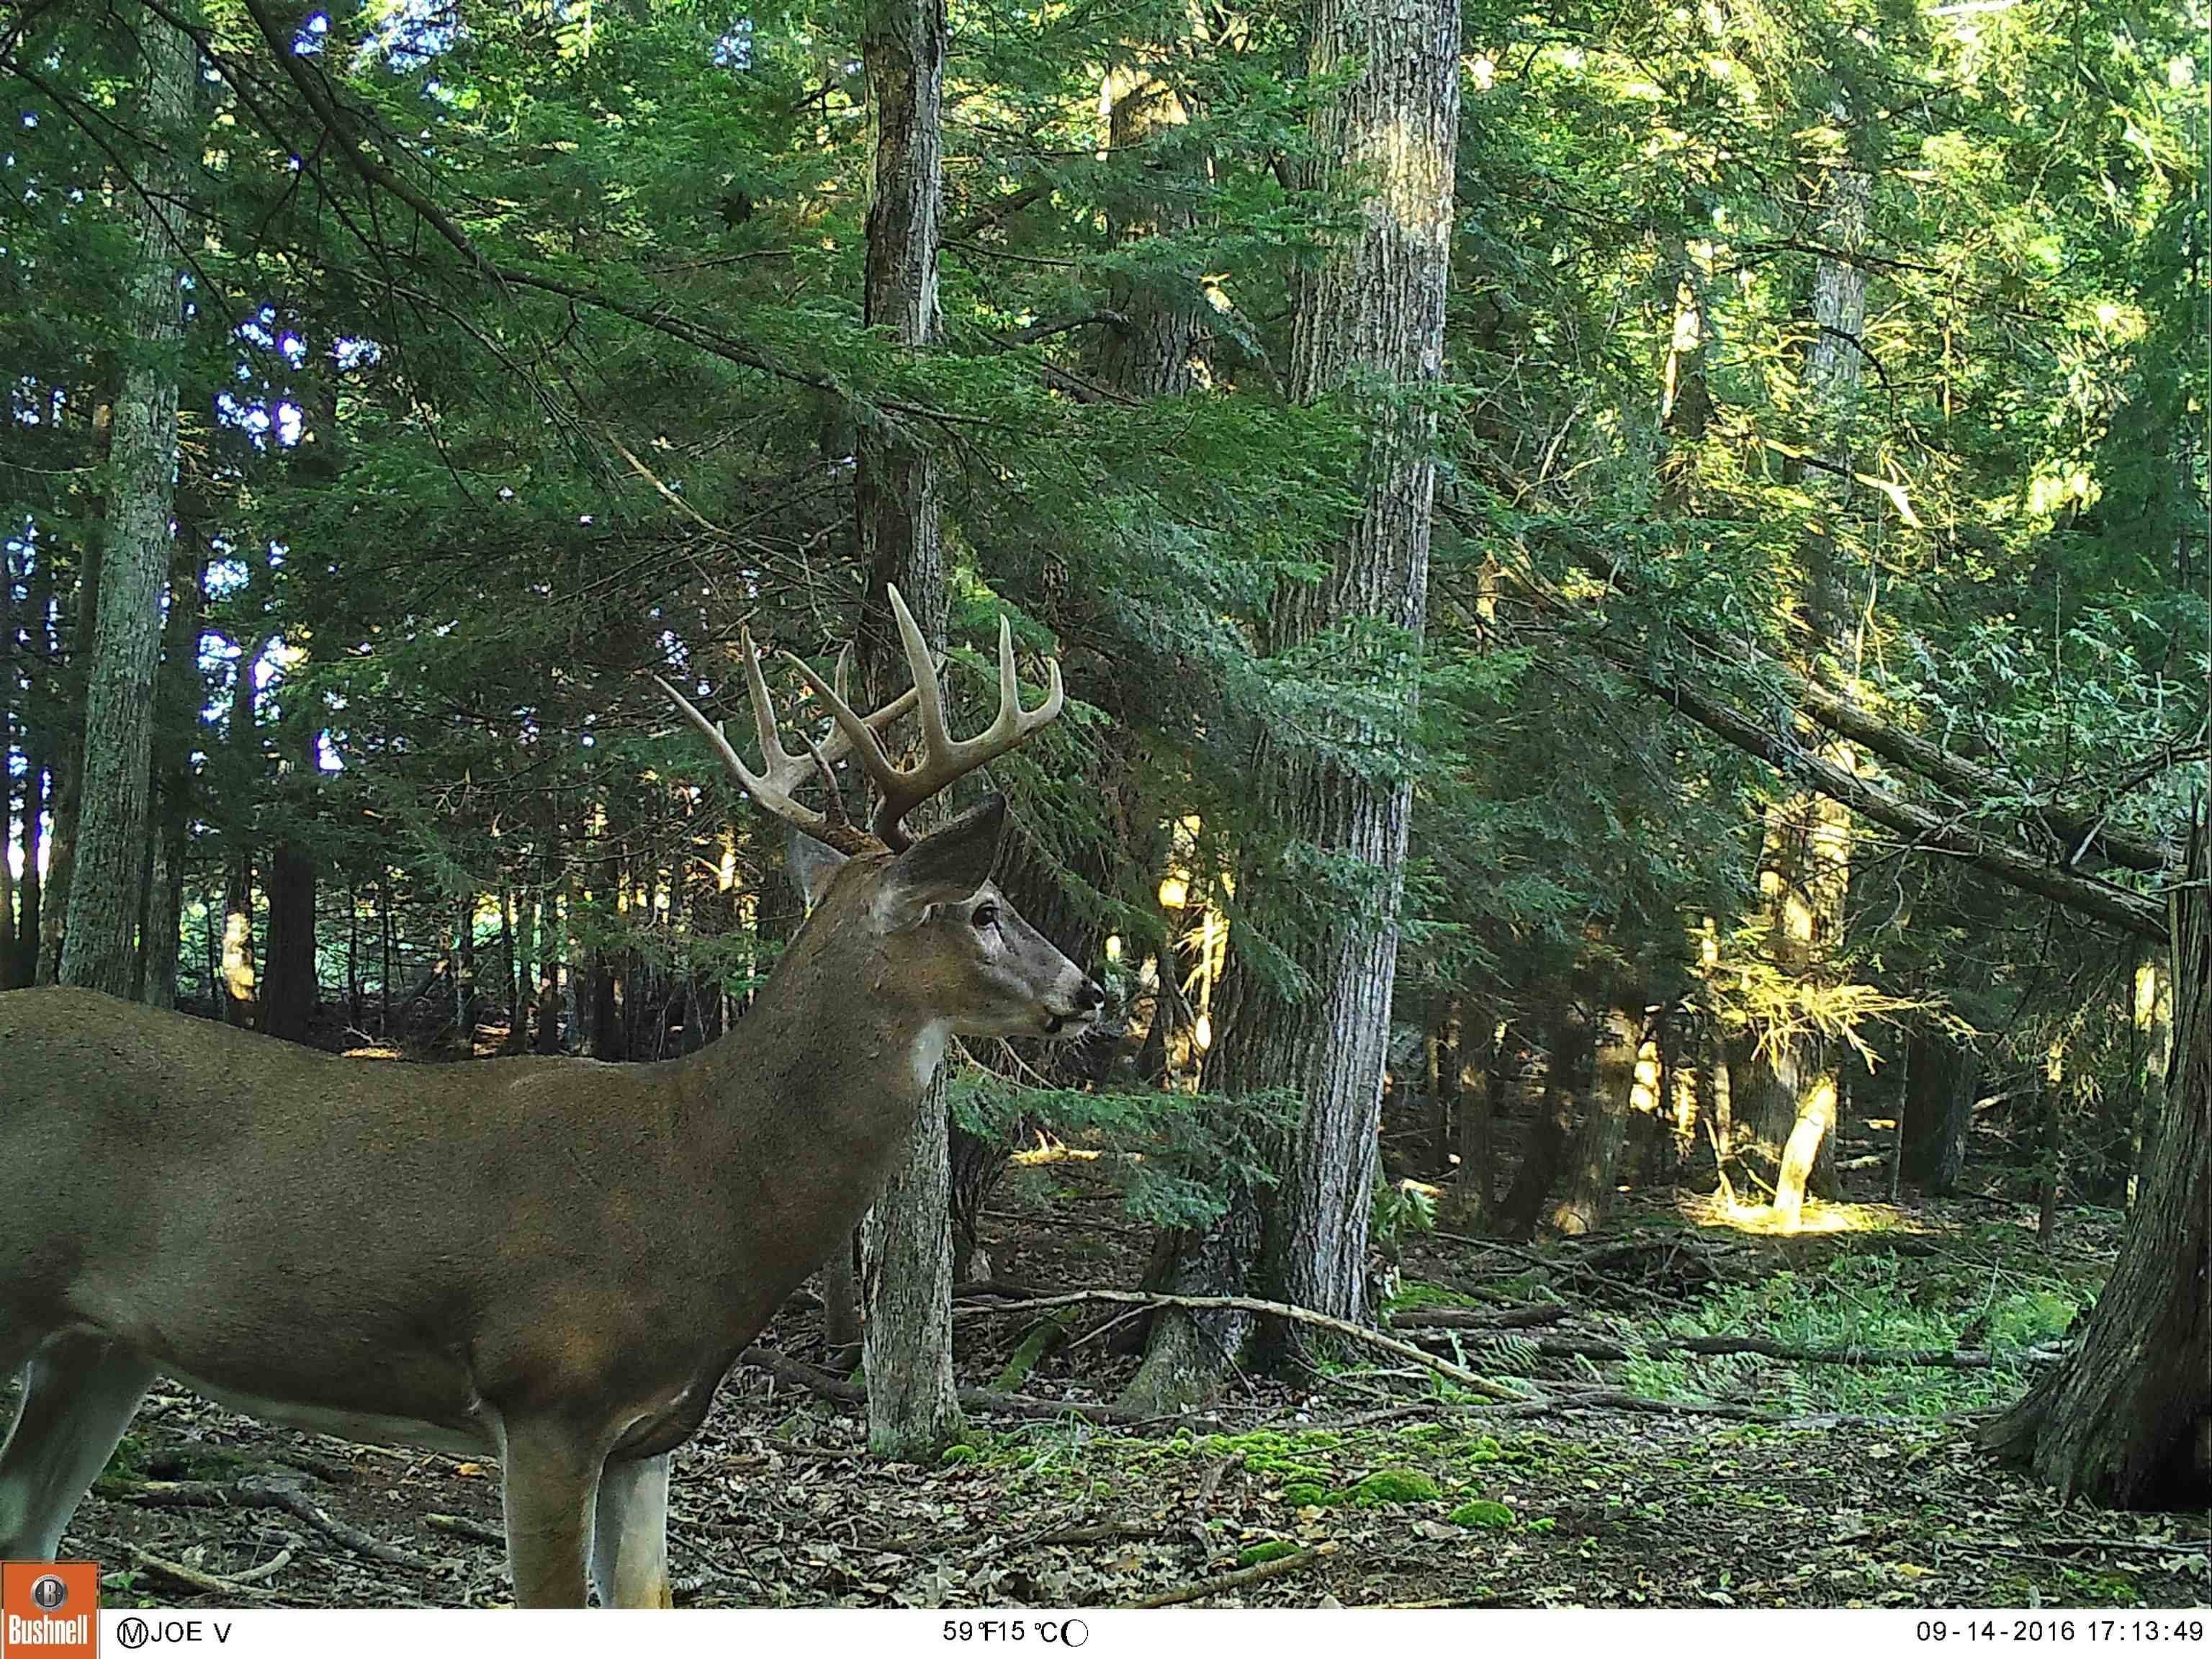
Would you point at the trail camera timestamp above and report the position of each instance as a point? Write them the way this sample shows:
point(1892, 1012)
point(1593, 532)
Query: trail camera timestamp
point(2032, 1629)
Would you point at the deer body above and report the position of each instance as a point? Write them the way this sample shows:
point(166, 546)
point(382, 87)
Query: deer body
point(551, 1261)
point(505, 1227)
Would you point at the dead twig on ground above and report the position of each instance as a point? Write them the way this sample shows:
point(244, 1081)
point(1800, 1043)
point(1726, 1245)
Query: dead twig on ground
point(463, 1526)
point(1238, 1580)
point(200, 1583)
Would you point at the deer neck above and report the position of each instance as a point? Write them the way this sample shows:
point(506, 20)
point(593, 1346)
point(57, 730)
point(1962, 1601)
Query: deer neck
point(800, 1109)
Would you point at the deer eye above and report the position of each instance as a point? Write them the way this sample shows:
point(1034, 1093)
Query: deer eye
point(986, 915)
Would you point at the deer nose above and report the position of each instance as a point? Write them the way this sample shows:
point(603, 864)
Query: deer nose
point(1092, 995)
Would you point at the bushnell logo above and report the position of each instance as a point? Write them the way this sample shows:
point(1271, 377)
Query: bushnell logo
point(49, 1610)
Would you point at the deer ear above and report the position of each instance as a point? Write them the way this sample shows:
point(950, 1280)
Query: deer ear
point(948, 865)
point(811, 865)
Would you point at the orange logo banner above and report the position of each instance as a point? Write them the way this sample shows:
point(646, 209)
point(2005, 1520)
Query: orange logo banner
point(49, 1610)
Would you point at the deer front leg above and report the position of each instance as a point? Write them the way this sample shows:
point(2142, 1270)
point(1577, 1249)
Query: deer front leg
point(629, 1534)
point(79, 1392)
point(551, 1480)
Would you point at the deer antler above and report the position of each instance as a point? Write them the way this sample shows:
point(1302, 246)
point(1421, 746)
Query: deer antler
point(944, 758)
point(782, 772)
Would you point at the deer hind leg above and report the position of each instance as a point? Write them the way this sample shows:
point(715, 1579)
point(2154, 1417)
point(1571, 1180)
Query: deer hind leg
point(80, 1392)
point(550, 1484)
point(629, 1534)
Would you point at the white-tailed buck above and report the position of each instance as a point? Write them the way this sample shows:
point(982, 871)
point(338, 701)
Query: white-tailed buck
point(552, 1260)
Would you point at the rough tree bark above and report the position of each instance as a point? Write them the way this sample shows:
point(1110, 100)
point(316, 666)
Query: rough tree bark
point(1618, 1090)
point(913, 1411)
point(100, 942)
point(2127, 1419)
point(1145, 348)
point(1371, 310)
point(1551, 1129)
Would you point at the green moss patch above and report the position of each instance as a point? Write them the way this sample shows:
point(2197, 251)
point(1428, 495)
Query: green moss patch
point(1393, 1486)
point(1483, 1512)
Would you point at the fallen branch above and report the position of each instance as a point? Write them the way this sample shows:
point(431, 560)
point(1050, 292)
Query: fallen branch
point(1598, 1348)
point(1478, 1319)
point(1344, 1327)
point(463, 1526)
point(261, 1492)
point(269, 1569)
point(205, 1584)
point(1238, 1580)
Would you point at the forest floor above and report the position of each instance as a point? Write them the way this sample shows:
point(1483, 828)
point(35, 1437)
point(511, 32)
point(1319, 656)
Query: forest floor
point(1739, 1478)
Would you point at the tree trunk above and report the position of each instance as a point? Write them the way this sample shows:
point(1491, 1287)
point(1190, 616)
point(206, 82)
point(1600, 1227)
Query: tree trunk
point(2124, 1420)
point(1805, 863)
point(13, 688)
point(1445, 1067)
point(177, 698)
point(1145, 349)
point(1544, 1153)
point(387, 949)
point(1473, 1204)
point(66, 790)
point(1618, 1089)
point(521, 987)
point(100, 944)
point(464, 976)
point(289, 987)
point(1370, 308)
point(240, 994)
point(353, 957)
point(551, 949)
point(913, 1410)
point(1941, 1081)
point(290, 983)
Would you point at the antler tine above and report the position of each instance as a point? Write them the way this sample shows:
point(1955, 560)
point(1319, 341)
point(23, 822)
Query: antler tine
point(854, 735)
point(774, 756)
point(835, 796)
point(713, 732)
point(781, 770)
point(934, 739)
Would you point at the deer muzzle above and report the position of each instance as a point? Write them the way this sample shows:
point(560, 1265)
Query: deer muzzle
point(1080, 1012)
